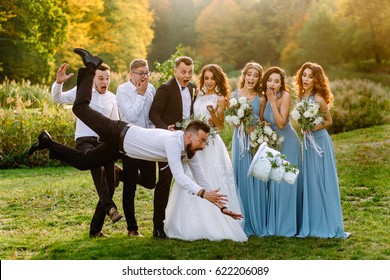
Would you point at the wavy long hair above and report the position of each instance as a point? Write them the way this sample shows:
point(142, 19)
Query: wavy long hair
point(321, 82)
point(247, 67)
point(219, 76)
point(268, 73)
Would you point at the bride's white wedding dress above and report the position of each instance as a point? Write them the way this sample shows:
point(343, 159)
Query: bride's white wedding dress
point(190, 217)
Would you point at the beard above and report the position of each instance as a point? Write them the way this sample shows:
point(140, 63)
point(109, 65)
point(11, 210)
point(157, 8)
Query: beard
point(190, 152)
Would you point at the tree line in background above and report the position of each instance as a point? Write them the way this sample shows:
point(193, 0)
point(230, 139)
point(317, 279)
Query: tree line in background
point(36, 36)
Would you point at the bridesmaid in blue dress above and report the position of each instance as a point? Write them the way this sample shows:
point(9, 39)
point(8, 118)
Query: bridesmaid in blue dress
point(284, 200)
point(322, 215)
point(252, 191)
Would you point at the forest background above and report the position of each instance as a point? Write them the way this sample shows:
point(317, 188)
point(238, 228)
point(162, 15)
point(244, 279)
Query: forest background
point(349, 38)
point(344, 35)
point(45, 211)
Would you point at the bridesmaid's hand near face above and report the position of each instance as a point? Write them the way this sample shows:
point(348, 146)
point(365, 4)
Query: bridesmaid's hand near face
point(271, 95)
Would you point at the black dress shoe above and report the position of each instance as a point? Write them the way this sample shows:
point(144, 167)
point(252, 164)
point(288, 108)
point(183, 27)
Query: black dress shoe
point(88, 59)
point(44, 141)
point(160, 234)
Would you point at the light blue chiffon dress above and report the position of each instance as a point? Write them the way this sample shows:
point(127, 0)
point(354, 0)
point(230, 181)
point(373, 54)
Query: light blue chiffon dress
point(253, 192)
point(285, 200)
point(322, 214)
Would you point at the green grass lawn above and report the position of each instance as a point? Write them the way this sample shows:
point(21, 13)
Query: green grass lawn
point(45, 214)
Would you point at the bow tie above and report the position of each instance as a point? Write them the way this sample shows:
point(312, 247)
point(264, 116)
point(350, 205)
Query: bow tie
point(183, 88)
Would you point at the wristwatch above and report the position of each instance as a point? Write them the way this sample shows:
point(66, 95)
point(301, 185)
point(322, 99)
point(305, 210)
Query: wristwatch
point(210, 109)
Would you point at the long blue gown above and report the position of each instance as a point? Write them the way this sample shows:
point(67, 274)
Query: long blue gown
point(253, 192)
point(285, 200)
point(322, 215)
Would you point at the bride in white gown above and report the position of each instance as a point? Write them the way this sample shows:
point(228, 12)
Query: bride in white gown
point(188, 216)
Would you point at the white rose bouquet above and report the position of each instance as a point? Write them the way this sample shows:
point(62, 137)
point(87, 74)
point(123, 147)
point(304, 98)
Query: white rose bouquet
point(307, 113)
point(239, 112)
point(263, 132)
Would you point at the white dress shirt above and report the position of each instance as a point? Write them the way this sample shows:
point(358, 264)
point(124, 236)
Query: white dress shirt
point(103, 103)
point(166, 146)
point(186, 100)
point(133, 107)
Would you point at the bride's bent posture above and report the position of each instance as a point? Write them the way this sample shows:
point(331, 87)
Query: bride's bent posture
point(187, 216)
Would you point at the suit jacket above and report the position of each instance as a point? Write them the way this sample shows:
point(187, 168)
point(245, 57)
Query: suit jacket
point(167, 106)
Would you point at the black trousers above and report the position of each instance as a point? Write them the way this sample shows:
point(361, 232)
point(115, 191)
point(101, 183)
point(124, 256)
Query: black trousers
point(103, 178)
point(161, 194)
point(108, 130)
point(147, 171)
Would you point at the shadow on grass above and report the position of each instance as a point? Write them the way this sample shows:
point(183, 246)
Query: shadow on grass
point(148, 248)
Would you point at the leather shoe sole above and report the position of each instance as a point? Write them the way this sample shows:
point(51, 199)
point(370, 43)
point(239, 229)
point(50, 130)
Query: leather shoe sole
point(44, 141)
point(88, 59)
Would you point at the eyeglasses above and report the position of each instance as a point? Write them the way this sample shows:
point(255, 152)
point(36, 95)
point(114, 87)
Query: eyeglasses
point(142, 74)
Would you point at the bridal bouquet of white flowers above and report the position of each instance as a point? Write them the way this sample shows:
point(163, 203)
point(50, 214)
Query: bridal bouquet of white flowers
point(263, 132)
point(239, 112)
point(307, 113)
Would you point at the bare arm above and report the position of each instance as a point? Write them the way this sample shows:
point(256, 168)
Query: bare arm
point(217, 114)
point(226, 211)
point(280, 107)
point(326, 114)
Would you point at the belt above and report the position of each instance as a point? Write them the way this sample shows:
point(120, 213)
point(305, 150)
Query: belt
point(89, 138)
point(122, 137)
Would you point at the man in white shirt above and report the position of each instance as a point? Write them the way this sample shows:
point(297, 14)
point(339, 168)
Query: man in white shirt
point(102, 101)
point(178, 148)
point(134, 99)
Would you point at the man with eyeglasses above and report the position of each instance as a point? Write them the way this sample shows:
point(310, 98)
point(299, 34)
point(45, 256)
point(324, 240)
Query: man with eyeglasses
point(173, 103)
point(120, 139)
point(134, 99)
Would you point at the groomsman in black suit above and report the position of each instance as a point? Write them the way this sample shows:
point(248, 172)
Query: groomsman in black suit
point(172, 103)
